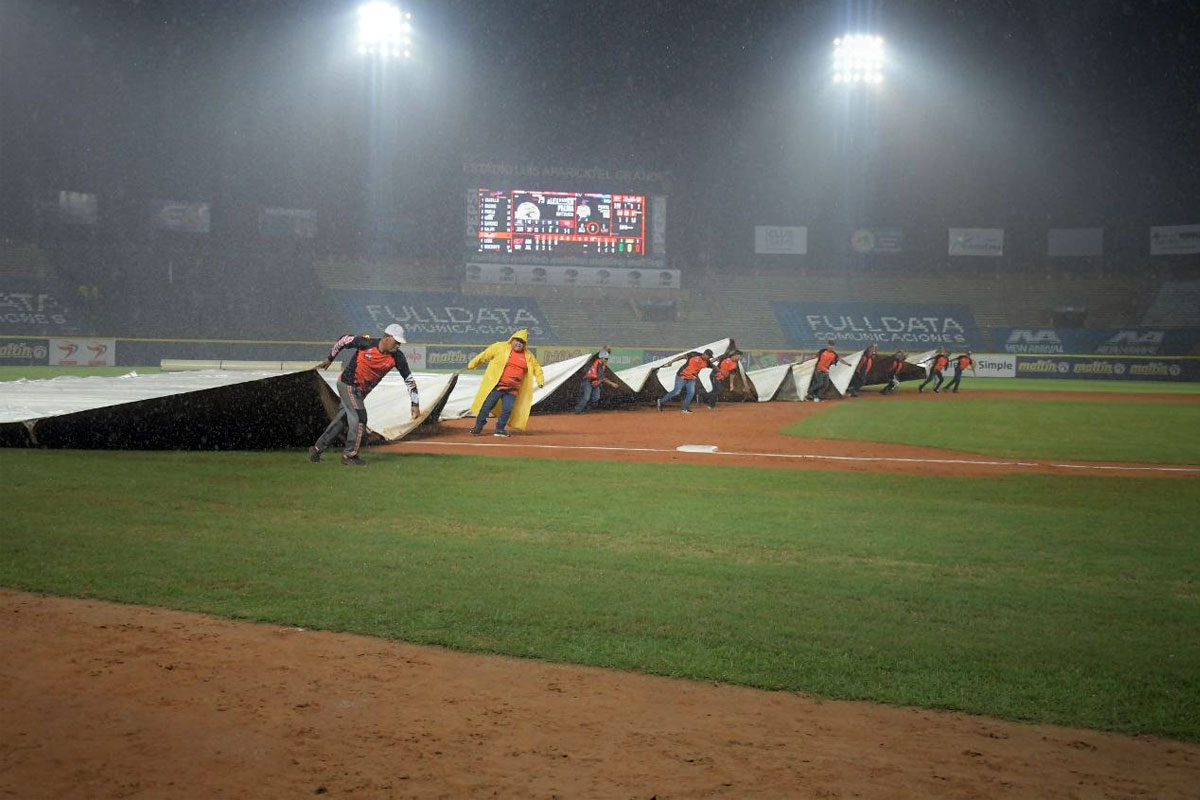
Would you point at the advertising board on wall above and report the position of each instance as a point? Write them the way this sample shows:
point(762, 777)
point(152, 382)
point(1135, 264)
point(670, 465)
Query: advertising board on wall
point(994, 365)
point(181, 217)
point(976, 241)
point(445, 317)
point(83, 352)
point(855, 325)
point(877, 240)
point(1097, 341)
point(548, 275)
point(1174, 240)
point(23, 351)
point(1109, 368)
point(775, 240)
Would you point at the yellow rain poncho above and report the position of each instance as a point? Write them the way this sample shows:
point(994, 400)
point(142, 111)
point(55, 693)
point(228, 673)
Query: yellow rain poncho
point(496, 356)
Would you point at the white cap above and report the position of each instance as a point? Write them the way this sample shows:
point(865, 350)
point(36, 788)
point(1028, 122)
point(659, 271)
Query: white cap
point(396, 332)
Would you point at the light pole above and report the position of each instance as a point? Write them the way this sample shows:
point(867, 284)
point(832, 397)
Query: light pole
point(385, 41)
point(857, 73)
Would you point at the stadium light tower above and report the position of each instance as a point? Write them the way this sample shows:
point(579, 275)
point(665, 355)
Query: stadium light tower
point(384, 31)
point(858, 59)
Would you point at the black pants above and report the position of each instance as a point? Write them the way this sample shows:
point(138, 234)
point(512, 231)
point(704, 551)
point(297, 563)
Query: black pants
point(818, 384)
point(935, 376)
point(955, 381)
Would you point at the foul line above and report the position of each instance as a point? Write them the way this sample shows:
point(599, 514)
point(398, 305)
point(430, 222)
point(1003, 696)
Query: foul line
point(817, 457)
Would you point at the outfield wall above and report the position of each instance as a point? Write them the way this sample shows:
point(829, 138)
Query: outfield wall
point(83, 351)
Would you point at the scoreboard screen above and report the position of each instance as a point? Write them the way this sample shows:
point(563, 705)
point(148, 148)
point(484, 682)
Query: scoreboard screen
point(521, 221)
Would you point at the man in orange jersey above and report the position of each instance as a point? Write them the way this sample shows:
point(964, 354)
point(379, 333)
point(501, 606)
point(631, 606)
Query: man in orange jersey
point(686, 377)
point(895, 365)
point(508, 380)
point(723, 369)
point(364, 370)
point(960, 363)
point(596, 374)
point(862, 369)
point(826, 358)
point(940, 361)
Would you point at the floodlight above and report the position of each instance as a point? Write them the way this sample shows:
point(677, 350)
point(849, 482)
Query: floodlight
point(383, 30)
point(858, 58)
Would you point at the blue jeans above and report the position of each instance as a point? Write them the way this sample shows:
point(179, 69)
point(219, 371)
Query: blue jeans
point(507, 401)
point(590, 394)
point(955, 381)
point(688, 387)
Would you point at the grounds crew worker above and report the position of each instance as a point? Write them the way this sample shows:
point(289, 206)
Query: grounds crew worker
point(507, 381)
point(826, 358)
point(940, 360)
point(960, 363)
point(686, 377)
point(893, 371)
point(721, 375)
point(862, 370)
point(597, 374)
point(363, 371)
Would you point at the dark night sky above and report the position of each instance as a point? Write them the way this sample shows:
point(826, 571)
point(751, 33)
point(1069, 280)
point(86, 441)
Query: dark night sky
point(994, 112)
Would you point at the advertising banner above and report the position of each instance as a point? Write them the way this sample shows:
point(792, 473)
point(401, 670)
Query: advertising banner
point(1075, 242)
point(1109, 368)
point(31, 308)
point(171, 215)
point(545, 275)
point(447, 318)
point(78, 208)
point(976, 241)
point(288, 223)
point(780, 241)
point(877, 240)
point(1098, 341)
point(1174, 240)
point(23, 352)
point(992, 365)
point(441, 357)
point(855, 325)
point(83, 352)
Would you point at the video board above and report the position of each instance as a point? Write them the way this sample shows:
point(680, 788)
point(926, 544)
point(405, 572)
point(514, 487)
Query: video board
point(560, 224)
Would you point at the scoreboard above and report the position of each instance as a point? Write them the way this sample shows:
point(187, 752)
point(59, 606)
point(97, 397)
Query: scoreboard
point(558, 224)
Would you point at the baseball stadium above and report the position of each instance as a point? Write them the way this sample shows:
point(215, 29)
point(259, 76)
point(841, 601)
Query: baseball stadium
point(612, 401)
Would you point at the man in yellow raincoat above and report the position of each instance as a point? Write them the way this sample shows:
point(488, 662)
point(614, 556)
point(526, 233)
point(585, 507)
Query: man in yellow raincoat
point(507, 381)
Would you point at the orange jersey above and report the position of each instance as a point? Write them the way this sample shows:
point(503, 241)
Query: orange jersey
point(726, 368)
point(826, 359)
point(692, 368)
point(940, 362)
point(964, 362)
point(514, 371)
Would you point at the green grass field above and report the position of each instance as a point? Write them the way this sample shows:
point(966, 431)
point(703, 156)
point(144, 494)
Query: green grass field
point(1083, 428)
point(1073, 600)
point(1065, 599)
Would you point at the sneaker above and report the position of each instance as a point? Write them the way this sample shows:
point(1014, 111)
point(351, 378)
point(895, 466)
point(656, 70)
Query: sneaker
point(935, 391)
point(686, 411)
point(476, 432)
point(353, 461)
point(816, 399)
point(314, 455)
point(712, 408)
point(502, 434)
point(921, 389)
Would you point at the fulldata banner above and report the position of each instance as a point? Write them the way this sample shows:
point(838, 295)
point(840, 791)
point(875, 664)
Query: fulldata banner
point(447, 318)
point(855, 325)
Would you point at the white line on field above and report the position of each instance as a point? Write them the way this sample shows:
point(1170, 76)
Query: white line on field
point(819, 457)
